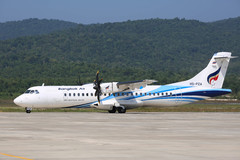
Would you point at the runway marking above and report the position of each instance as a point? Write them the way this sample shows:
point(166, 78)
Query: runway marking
point(15, 156)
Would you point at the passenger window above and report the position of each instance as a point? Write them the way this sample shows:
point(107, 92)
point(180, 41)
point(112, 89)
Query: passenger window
point(118, 94)
point(91, 94)
point(65, 94)
point(166, 93)
point(86, 94)
point(153, 94)
point(145, 94)
point(158, 94)
point(69, 94)
point(122, 94)
point(126, 94)
point(104, 94)
point(114, 94)
point(109, 94)
point(149, 94)
point(136, 94)
point(74, 94)
point(140, 94)
point(162, 94)
point(78, 94)
point(82, 94)
point(171, 94)
point(131, 94)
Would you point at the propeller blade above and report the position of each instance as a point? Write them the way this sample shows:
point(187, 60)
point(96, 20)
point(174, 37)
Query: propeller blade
point(98, 97)
point(97, 76)
point(97, 86)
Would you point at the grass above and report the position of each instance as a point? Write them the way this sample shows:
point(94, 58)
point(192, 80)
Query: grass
point(203, 106)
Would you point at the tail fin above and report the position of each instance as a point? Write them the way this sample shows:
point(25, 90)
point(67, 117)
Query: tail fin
point(213, 75)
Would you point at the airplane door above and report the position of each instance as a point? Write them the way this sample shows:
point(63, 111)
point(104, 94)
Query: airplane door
point(178, 96)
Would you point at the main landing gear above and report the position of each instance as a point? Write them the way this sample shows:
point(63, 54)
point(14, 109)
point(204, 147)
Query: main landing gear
point(119, 109)
point(28, 109)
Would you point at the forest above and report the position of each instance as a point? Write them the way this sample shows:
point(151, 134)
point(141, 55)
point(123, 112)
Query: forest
point(32, 26)
point(167, 50)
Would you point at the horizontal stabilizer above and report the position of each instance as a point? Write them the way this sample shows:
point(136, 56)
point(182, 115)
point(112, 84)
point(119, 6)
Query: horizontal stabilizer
point(223, 57)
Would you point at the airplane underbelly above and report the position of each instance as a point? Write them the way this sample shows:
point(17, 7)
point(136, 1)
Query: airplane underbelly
point(131, 103)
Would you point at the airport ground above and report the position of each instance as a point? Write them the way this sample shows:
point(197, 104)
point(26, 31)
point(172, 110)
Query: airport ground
point(134, 135)
point(7, 105)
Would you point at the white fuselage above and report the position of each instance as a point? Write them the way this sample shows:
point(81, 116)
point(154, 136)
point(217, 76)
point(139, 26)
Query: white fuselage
point(84, 96)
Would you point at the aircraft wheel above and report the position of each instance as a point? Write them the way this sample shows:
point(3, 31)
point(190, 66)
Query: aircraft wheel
point(28, 110)
point(113, 110)
point(121, 110)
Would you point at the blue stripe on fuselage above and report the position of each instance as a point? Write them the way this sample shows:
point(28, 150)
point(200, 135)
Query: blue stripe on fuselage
point(161, 89)
point(167, 88)
point(208, 92)
point(189, 96)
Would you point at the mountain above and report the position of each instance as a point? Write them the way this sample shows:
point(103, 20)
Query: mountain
point(30, 27)
point(161, 49)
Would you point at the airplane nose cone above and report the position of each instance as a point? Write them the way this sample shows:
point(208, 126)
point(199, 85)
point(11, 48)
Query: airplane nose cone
point(18, 101)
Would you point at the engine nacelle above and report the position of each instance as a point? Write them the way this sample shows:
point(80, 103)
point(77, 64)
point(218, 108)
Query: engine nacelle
point(110, 87)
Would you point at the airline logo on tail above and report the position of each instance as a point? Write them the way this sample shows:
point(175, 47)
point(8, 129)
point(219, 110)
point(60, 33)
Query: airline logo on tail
point(213, 76)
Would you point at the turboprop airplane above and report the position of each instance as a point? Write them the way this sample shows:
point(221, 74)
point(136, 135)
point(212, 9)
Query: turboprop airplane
point(119, 96)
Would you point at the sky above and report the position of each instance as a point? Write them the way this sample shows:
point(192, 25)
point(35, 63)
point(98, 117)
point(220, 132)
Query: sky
point(103, 11)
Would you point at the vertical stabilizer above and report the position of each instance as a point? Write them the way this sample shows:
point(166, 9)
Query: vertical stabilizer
point(213, 75)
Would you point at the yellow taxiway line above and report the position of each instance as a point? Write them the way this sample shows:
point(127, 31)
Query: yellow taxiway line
point(15, 156)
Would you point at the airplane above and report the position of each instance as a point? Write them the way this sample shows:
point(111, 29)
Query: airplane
point(120, 96)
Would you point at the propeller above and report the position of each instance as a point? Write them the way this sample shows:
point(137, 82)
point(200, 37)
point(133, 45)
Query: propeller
point(97, 87)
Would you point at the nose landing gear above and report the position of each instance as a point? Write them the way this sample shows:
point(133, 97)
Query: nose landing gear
point(28, 109)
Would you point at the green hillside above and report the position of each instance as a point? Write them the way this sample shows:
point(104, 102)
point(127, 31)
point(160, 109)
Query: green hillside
point(30, 27)
point(165, 50)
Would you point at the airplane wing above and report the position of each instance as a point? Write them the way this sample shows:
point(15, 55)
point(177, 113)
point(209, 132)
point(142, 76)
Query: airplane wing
point(134, 84)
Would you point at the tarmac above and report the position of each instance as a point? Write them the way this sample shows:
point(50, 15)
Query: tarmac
point(130, 136)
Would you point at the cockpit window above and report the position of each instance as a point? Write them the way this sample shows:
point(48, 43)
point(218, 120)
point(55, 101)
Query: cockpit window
point(27, 91)
point(31, 91)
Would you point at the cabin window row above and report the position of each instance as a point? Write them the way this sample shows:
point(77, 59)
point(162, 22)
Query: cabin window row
point(120, 94)
point(78, 94)
point(142, 94)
